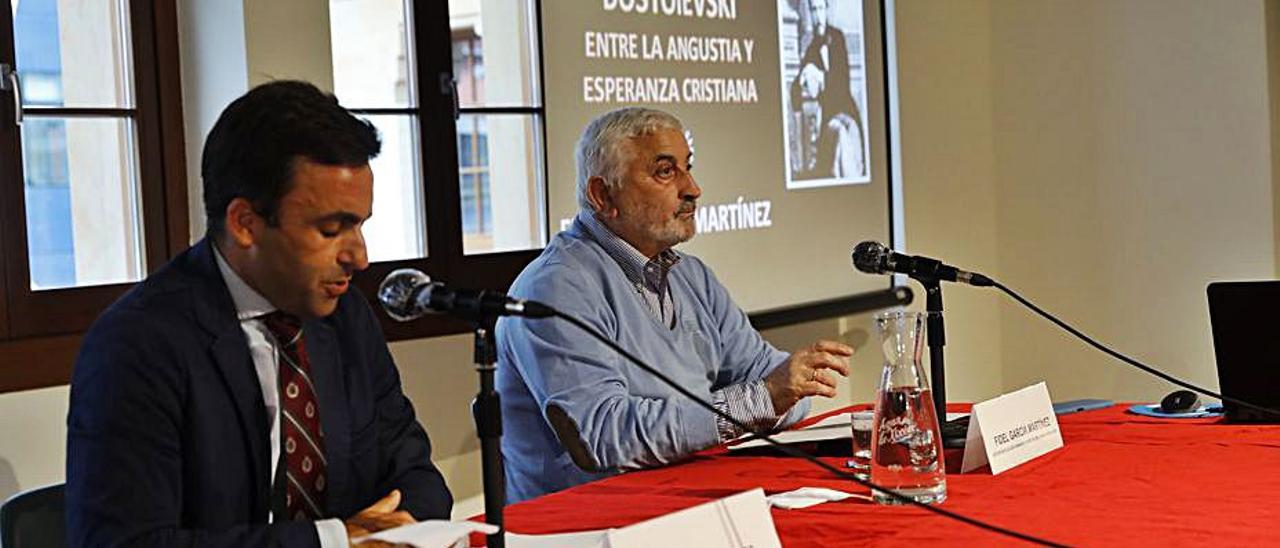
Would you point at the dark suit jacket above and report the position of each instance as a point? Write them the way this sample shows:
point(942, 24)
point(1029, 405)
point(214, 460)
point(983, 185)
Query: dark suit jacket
point(167, 436)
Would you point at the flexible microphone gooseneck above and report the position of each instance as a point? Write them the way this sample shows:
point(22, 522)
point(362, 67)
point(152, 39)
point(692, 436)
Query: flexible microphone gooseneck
point(874, 258)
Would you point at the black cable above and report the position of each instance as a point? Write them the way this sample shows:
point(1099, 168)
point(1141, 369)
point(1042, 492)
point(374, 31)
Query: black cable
point(792, 451)
point(1127, 359)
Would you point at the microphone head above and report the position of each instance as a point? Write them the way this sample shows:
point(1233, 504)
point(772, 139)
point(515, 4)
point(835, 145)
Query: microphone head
point(398, 293)
point(869, 257)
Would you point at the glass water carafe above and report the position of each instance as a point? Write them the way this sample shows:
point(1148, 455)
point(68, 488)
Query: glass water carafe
point(906, 448)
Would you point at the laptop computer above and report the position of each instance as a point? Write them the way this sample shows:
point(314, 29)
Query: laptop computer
point(1246, 344)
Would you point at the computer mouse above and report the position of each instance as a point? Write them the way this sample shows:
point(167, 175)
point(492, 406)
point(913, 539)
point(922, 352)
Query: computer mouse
point(1179, 401)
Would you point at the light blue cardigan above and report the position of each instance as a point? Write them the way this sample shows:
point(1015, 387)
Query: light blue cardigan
point(557, 383)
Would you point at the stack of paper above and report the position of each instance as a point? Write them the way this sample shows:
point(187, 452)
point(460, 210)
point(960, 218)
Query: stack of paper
point(731, 522)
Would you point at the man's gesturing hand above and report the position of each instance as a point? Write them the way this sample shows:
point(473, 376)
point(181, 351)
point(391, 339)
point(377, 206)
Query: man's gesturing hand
point(805, 374)
point(381, 515)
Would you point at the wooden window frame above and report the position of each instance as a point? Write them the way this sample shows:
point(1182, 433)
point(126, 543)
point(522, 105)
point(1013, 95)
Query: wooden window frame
point(40, 330)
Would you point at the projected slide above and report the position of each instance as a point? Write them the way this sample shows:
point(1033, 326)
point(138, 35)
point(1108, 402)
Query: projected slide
point(783, 105)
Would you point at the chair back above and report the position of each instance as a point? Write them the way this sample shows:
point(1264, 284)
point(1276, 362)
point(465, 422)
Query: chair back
point(34, 519)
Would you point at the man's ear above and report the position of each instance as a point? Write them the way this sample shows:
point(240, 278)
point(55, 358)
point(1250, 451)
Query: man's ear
point(598, 195)
point(242, 223)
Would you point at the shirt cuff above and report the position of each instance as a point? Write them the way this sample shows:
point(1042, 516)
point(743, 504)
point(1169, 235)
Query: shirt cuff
point(749, 403)
point(332, 533)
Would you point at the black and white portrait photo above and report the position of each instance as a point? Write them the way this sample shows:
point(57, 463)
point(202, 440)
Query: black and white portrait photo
point(824, 92)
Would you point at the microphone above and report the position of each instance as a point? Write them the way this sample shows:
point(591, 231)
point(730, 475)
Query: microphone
point(874, 258)
point(407, 294)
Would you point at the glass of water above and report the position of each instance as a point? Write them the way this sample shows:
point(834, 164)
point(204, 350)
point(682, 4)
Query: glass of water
point(861, 461)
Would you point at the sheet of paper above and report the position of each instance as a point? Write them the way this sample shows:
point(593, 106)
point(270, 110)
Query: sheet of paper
point(835, 427)
point(581, 539)
point(731, 522)
point(432, 533)
point(451, 534)
point(839, 419)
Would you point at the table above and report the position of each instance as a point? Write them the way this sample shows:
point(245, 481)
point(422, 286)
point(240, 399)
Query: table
point(1121, 479)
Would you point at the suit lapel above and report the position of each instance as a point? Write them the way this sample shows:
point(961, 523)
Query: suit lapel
point(327, 376)
point(230, 351)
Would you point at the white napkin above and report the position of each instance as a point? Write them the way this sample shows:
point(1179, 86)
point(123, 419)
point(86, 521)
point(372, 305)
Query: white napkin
point(432, 533)
point(805, 497)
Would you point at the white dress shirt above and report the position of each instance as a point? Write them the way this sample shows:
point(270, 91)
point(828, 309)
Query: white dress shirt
point(250, 305)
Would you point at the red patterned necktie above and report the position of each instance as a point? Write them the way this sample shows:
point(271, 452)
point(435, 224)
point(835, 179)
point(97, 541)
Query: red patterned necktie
point(300, 427)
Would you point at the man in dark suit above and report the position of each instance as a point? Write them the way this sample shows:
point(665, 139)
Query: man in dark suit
point(242, 395)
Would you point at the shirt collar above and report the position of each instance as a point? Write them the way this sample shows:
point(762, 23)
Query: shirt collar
point(249, 303)
point(632, 261)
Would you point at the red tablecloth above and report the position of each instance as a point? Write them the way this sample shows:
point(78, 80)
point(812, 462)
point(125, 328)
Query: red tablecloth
point(1121, 479)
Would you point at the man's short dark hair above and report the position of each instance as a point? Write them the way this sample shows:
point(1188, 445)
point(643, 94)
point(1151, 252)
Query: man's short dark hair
point(251, 150)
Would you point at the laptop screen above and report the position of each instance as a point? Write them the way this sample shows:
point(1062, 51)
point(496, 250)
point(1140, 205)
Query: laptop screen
point(1246, 342)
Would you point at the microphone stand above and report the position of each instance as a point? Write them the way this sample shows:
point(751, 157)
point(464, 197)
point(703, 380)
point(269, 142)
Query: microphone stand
point(487, 411)
point(937, 334)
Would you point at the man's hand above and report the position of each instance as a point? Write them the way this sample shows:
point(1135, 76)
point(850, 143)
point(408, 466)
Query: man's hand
point(812, 81)
point(381, 515)
point(805, 374)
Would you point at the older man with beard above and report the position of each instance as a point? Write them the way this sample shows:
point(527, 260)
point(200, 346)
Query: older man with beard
point(574, 409)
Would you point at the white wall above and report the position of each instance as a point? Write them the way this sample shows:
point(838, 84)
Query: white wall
point(33, 444)
point(214, 72)
point(1133, 165)
point(944, 67)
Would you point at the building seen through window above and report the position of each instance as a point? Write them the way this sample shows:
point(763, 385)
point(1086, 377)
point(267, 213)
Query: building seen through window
point(473, 142)
point(499, 132)
point(80, 188)
point(48, 185)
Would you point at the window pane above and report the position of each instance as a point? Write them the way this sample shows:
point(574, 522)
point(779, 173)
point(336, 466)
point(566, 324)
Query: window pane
point(371, 61)
point(73, 53)
point(397, 229)
point(500, 173)
point(495, 59)
point(81, 196)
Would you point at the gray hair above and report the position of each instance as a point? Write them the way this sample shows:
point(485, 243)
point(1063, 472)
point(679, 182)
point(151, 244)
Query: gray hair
point(599, 151)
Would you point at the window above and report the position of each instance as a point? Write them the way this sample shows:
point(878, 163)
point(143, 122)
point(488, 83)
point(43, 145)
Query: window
point(371, 43)
point(454, 90)
point(499, 129)
point(90, 131)
point(81, 200)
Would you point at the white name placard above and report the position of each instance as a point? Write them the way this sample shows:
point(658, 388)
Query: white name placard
point(1011, 429)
